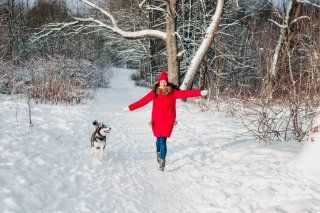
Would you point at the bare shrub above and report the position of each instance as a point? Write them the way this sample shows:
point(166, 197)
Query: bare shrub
point(5, 77)
point(135, 76)
point(56, 79)
point(277, 121)
point(138, 80)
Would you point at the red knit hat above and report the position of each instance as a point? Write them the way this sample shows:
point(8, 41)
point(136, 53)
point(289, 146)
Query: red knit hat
point(163, 76)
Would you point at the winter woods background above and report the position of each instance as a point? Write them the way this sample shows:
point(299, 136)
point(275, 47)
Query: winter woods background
point(263, 64)
point(55, 69)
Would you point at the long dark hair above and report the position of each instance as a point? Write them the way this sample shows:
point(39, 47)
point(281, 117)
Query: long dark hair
point(169, 84)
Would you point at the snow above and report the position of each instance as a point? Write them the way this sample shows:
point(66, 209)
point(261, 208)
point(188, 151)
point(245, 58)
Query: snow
point(211, 165)
point(309, 158)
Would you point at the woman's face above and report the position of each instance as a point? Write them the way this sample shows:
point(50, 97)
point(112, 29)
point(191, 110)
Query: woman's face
point(163, 83)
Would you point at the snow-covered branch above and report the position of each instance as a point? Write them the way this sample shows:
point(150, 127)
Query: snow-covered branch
point(51, 28)
point(116, 29)
point(301, 17)
point(276, 23)
point(141, 4)
point(125, 34)
point(57, 27)
point(308, 2)
point(101, 10)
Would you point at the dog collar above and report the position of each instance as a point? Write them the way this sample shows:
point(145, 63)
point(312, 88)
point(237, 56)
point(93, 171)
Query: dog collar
point(101, 137)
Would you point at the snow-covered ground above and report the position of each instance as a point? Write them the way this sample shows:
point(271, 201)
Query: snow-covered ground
point(211, 167)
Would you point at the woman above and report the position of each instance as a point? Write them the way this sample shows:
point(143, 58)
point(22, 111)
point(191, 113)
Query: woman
point(163, 118)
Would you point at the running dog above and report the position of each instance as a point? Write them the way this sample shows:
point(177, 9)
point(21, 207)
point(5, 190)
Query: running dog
point(98, 139)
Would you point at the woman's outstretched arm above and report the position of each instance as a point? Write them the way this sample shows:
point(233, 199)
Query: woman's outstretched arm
point(143, 101)
point(179, 94)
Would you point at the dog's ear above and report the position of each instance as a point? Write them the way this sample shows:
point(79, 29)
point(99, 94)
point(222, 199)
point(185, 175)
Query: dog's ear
point(95, 123)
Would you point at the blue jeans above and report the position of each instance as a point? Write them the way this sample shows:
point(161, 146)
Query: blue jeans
point(161, 144)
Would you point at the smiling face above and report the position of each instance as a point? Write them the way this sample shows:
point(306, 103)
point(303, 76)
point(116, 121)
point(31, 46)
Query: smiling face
point(162, 83)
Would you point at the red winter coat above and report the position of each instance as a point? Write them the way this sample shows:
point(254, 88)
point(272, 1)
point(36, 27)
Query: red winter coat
point(163, 109)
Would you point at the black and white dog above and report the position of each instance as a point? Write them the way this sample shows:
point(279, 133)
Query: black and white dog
point(98, 139)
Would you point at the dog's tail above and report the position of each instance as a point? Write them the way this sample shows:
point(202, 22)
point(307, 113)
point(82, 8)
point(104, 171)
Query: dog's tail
point(95, 123)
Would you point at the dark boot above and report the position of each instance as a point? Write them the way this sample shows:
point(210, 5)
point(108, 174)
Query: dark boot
point(158, 157)
point(162, 164)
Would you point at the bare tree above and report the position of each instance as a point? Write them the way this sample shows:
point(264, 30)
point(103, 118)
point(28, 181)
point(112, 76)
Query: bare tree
point(204, 47)
point(169, 36)
point(289, 19)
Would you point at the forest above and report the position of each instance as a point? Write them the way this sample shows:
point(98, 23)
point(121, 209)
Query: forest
point(259, 59)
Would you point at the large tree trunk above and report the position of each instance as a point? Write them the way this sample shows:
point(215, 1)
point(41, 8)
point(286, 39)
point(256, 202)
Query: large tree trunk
point(171, 43)
point(281, 51)
point(204, 47)
point(11, 18)
point(203, 72)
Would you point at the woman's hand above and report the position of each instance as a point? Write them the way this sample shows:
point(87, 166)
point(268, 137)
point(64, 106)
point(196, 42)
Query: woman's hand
point(150, 124)
point(126, 109)
point(204, 93)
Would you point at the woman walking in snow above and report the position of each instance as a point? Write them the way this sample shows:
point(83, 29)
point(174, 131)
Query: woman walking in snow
point(163, 118)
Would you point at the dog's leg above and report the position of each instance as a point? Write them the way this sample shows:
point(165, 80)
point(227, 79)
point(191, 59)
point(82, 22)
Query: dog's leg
point(103, 148)
point(101, 152)
point(95, 152)
point(92, 150)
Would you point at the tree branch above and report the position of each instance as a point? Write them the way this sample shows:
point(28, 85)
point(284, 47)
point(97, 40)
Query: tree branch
point(279, 25)
point(301, 17)
point(56, 27)
point(204, 47)
point(306, 1)
point(141, 4)
point(130, 35)
point(101, 10)
point(116, 29)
